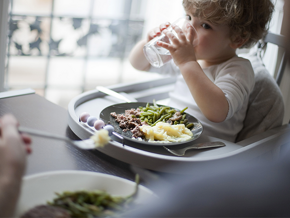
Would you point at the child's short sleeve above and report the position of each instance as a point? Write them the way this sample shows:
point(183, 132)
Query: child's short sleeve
point(236, 79)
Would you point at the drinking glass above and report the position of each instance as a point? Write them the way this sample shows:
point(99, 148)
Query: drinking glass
point(158, 56)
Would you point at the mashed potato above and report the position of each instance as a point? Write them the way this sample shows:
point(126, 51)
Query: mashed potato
point(164, 133)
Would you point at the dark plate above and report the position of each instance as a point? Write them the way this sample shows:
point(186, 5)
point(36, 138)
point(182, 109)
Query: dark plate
point(105, 115)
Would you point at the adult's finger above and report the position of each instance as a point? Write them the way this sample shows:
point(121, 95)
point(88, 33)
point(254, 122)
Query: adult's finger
point(26, 138)
point(28, 149)
point(8, 125)
point(8, 120)
point(27, 141)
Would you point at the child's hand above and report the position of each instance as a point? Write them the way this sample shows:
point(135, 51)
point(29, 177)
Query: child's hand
point(182, 48)
point(157, 31)
point(137, 57)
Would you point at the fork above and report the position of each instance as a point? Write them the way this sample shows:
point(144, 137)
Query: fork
point(180, 152)
point(82, 144)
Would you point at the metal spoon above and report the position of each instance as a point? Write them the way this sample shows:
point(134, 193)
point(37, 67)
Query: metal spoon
point(181, 151)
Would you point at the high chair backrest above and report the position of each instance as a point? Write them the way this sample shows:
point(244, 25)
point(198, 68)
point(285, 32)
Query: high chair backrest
point(278, 40)
point(266, 106)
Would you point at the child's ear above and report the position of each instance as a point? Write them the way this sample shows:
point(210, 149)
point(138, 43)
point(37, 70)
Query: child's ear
point(238, 42)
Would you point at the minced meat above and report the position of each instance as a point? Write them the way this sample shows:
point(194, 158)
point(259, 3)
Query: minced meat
point(127, 122)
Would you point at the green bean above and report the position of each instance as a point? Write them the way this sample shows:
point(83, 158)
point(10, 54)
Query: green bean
point(146, 113)
point(164, 118)
point(154, 103)
point(160, 119)
point(162, 110)
point(190, 125)
point(171, 111)
point(154, 118)
point(154, 108)
point(182, 111)
point(153, 114)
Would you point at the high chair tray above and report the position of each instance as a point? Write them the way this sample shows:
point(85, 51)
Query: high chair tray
point(150, 157)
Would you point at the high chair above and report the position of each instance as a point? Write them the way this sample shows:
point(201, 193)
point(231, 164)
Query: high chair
point(263, 131)
point(266, 106)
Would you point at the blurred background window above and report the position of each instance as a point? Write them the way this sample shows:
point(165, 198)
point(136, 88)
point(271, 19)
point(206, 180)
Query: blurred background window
point(61, 48)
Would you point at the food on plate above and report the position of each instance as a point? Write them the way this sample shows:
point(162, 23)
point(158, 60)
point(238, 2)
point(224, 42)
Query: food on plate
point(143, 120)
point(88, 204)
point(109, 128)
point(99, 124)
point(102, 133)
point(135, 118)
point(164, 133)
point(101, 138)
point(154, 114)
point(84, 117)
point(91, 120)
point(46, 211)
point(129, 121)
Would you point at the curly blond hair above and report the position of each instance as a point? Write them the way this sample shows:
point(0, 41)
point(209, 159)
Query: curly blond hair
point(247, 19)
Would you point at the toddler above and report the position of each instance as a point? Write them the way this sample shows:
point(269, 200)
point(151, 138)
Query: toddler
point(212, 81)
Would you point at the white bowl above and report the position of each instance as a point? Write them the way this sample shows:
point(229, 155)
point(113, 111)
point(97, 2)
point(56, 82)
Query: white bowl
point(39, 188)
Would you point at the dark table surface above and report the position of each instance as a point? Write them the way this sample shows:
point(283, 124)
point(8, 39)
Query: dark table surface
point(34, 111)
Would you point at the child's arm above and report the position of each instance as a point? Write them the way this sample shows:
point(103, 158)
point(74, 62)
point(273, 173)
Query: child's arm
point(137, 57)
point(210, 99)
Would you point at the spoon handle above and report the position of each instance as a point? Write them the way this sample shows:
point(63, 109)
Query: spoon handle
point(112, 93)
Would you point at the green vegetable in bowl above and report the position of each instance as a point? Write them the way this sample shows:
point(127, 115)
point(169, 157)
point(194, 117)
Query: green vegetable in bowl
point(92, 204)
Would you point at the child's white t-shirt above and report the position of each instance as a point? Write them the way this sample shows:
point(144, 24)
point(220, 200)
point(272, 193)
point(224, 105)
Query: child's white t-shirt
point(234, 77)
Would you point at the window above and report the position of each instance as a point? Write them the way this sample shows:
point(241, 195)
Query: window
point(62, 48)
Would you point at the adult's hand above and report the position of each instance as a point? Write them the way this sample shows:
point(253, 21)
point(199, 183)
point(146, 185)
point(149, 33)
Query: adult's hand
point(14, 148)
